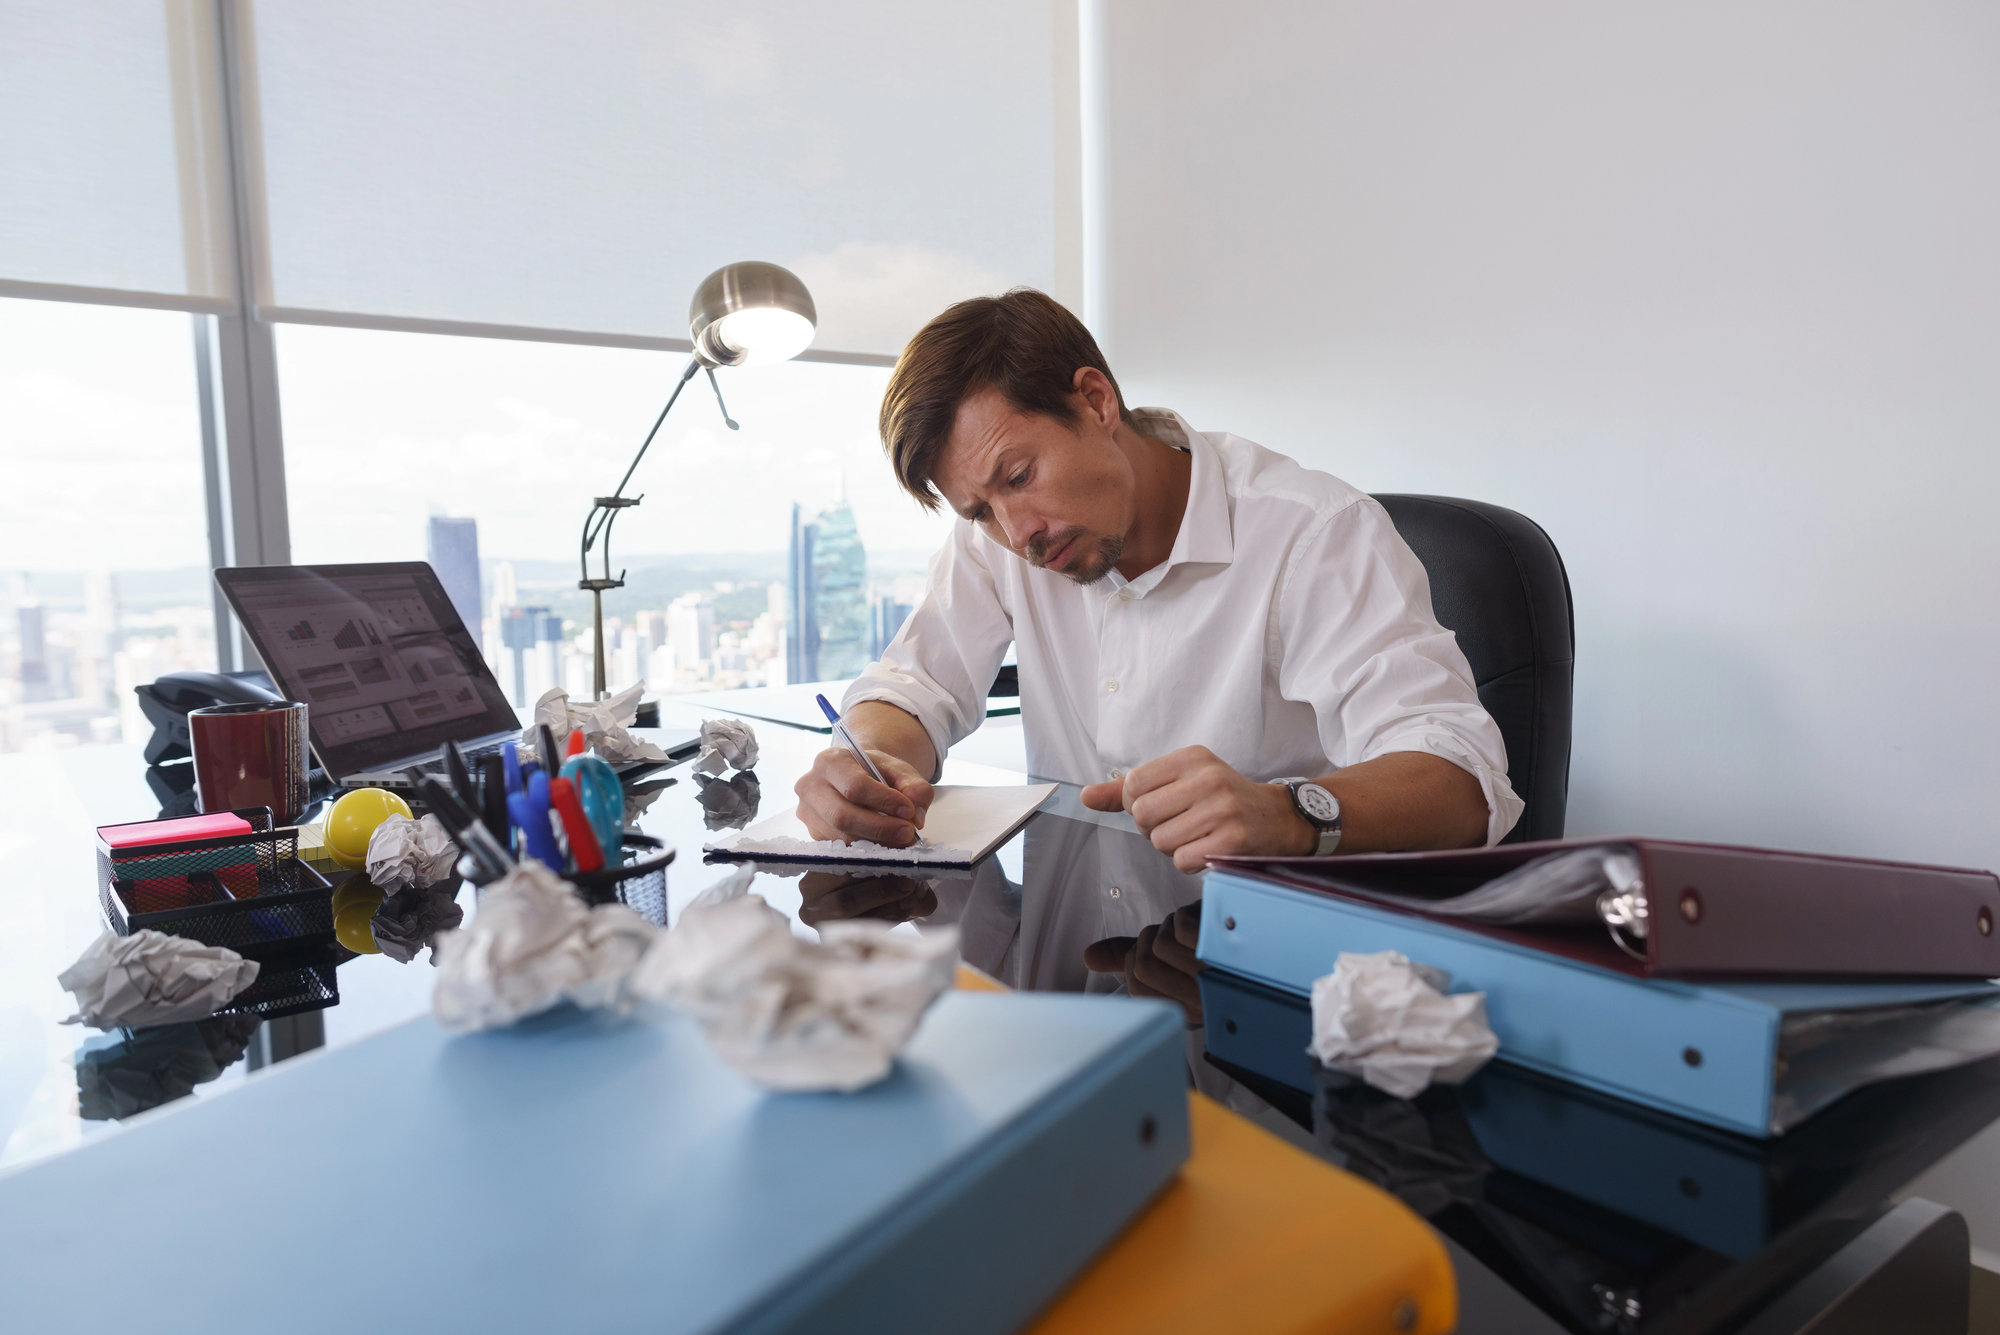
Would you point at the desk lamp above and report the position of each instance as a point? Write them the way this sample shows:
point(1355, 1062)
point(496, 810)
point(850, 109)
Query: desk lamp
point(745, 314)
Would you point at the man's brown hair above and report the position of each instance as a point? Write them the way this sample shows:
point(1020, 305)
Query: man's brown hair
point(1025, 344)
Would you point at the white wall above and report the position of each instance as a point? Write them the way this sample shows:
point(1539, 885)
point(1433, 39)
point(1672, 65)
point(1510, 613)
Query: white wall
point(1711, 290)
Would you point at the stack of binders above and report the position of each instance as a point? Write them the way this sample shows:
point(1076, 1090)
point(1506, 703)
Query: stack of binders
point(1739, 987)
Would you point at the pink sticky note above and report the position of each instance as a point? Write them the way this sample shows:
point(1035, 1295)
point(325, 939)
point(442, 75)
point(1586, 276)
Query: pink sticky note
point(173, 831)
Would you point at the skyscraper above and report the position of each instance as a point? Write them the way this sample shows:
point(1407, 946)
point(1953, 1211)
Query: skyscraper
point(801, 619)
point(886, 615)
point(840, 595)
point(453, 551)
point(35, 683)
point(691, 631)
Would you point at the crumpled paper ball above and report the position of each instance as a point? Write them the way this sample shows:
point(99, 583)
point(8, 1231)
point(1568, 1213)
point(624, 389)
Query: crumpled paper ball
point(150, 978)
point(1387, 1020)
point(726, 743)
point(404, 852)
point(604, 724)
point(793, 1014)
point(413, 918)
point(532, 945)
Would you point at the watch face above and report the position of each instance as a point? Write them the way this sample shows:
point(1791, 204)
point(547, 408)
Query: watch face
point(1317, 802)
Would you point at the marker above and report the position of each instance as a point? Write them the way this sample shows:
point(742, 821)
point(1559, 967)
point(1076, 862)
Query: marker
point(582, 840)
point(840, 731)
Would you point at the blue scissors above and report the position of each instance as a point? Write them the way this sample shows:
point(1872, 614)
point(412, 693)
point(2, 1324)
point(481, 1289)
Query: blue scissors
point(603, 799)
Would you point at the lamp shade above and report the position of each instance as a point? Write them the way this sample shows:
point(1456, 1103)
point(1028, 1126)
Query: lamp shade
point(749, 314)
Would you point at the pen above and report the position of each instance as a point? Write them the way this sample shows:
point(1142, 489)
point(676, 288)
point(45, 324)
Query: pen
point(840, 731)
point(485, 852)
point(461, 777)
point(577, 743)
point(551, 758)
point(493, 799)
point(510, 756)
point(533, 818)
point(582, 840)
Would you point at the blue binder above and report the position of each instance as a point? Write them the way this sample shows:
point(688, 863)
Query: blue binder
point(579, 1175)
point(1703, 1051)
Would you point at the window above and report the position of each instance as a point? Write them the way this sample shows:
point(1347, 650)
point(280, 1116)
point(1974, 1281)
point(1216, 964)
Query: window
point(103, 540)
point(482, 456)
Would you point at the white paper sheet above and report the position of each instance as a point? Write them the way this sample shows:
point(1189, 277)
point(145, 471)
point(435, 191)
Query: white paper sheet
point(963, 825)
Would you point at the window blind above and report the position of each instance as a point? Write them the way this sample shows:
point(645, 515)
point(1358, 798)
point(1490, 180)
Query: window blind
point(583, 166)
point(109, 133)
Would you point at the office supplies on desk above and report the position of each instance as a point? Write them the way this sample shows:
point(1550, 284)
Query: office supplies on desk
point(1689, 910)
point(251, 755)
point(964, 1195)
point(1720, 1191)
point(214, 825)
point(583, 846)
point(493, 800)
point(963, 825)
point(390, 669)
point(600, 795)
point(847, 739)
point(1753, 1057)
point(530, 810)
point(489, 860)
point(547, 753)
point(461, 775)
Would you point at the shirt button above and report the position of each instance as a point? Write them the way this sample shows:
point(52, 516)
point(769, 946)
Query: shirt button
point(1110, 685)
point(1118, 774)
point(1115, 892)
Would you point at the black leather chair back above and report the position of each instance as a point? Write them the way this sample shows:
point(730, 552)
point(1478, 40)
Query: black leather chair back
point(1498, 583)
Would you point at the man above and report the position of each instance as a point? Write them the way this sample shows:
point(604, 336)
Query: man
point(1194, 616)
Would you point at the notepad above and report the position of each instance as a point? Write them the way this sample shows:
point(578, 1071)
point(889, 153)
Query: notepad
point(963, 825)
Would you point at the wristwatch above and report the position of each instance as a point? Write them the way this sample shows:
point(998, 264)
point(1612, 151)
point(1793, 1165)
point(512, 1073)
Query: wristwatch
point(1320, 807)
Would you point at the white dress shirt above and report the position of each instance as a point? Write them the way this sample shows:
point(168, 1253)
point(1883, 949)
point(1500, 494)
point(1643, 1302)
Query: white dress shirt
point(1289, 631)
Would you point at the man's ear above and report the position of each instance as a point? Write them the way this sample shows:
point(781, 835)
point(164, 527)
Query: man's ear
point(1099, 398)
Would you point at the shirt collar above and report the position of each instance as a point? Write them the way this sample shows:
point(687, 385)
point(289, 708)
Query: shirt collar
point(1205, 535)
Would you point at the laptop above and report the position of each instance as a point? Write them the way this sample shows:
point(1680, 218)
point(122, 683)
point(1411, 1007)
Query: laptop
point(388, 671)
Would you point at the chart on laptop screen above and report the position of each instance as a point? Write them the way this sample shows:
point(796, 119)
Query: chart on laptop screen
point(367, 655)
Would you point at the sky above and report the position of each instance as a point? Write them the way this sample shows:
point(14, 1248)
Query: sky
point(100, 436)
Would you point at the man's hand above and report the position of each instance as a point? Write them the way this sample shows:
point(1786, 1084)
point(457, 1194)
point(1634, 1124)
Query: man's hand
point(1160, 962)
point(1192, 805)
point(839, 799)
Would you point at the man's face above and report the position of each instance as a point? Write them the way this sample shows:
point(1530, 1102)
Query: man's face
point(1057, 496)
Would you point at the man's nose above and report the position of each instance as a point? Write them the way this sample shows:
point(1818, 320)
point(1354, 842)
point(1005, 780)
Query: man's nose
point(1018, 524)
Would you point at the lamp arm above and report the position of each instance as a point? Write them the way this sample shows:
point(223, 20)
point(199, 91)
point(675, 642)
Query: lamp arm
point(694, 364)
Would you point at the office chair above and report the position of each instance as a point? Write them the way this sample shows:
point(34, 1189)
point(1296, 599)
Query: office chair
point(1498, 583)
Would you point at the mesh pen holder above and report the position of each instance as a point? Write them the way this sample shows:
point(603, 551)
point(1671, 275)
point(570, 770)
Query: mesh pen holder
point(639, 882)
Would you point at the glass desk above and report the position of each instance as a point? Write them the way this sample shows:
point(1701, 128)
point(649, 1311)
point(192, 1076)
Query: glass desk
point(1563, 1210)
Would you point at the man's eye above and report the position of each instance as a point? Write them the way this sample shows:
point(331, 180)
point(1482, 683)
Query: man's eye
point(1019, 479)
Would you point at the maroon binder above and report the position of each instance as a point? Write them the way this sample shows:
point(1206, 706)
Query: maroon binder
point(1715, 909)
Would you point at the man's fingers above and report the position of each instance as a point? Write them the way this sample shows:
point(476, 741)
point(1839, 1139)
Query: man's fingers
point(847, 777)
point(1187, 924)
point(1109, 955)
point(827, 814)
point(1108, 796)
point(1169, 768)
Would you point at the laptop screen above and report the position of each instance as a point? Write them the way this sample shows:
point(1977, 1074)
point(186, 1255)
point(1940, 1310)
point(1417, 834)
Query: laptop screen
point(378, 654)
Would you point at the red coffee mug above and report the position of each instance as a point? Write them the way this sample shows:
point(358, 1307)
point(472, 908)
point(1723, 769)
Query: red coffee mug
point(252, 755)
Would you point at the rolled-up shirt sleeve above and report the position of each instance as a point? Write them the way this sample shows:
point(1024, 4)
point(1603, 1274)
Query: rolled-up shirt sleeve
point(1364, 649)
point(942, 662)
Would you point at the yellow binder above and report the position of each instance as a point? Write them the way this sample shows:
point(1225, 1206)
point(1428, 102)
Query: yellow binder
point(1258, 1235)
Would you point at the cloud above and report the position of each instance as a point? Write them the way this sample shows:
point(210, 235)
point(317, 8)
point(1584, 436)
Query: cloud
point(873, 297)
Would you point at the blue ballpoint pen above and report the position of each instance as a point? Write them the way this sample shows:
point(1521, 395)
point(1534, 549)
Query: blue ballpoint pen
point(840, 731)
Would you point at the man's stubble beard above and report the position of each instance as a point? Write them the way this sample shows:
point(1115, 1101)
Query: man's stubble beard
point(1085, 571)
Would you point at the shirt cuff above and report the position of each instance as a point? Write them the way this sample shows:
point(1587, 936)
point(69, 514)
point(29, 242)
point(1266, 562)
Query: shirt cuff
point(863, 691)
point(1503, 807)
